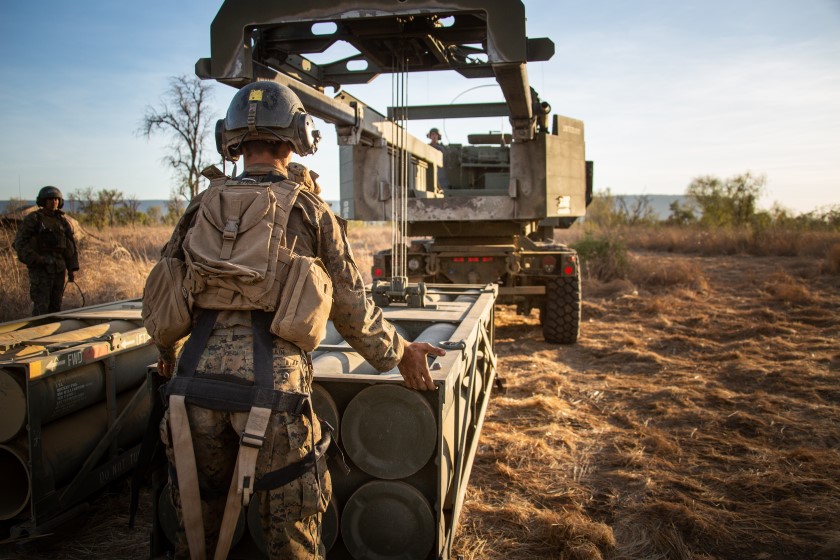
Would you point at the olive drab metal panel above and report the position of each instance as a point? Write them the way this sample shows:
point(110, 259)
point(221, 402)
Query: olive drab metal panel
point(75, 404)
point(546, 176)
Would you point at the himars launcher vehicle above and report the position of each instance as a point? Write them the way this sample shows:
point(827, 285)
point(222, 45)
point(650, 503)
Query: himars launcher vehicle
point(494, 218)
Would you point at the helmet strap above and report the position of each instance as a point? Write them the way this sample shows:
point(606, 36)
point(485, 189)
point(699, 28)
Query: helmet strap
point(252, 116)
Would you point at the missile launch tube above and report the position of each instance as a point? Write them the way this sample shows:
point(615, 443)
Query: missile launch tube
point(12, 338)
point(55, 396)
point(348, 361)
point(65, 446)
point(12, 405)
point(87, 333)
point(400, 507)
point(14, 478)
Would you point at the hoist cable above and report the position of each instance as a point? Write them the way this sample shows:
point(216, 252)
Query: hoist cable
point(400, 166)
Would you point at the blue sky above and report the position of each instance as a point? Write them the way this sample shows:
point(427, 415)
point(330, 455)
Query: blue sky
point(667, 91)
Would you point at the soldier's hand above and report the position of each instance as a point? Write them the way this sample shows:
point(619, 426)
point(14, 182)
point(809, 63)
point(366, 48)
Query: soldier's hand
point(414, 368)
point(71, 276)
point(165, 367)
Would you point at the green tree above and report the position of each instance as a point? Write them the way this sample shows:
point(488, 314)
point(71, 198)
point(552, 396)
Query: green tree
point(109, 200)
point(729, 202)
point(91, 210)
point(131, 209)
point(154, 215)
point(174, 209)
point(183, 115)
point(681, 214)
point(603, 212)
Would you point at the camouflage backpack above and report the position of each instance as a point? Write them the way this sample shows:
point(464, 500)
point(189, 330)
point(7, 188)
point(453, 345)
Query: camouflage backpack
point(237, 258)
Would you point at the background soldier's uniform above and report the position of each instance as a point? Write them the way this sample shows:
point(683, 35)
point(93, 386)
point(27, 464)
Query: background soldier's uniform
point(291, 514)
point(45, 244)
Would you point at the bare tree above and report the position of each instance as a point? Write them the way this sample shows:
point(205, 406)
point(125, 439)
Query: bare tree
point(109, 199)
point(637, 210)
point(183, 116)
point(132, 209)
point(16, 204)
point(174, 209)
point(92, 211)
point(72, 203)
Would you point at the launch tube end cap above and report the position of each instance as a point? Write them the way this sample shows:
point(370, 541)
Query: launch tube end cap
point(13, 405)
point(389, 431)
point(388, 520)
point(14, 477)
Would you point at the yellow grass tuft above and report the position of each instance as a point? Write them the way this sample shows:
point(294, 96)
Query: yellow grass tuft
point(784, 288)
point(833, 259)
point(658, 273)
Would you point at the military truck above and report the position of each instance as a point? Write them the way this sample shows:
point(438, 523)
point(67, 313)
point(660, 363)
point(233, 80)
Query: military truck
point(494, 219)
point(520, 256)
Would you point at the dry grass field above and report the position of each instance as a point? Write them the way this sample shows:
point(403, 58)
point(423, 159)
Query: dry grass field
point(114, 263)
point(698, 417)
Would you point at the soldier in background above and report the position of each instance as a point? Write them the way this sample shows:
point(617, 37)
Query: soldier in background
point(45, 244)
point(434, 141)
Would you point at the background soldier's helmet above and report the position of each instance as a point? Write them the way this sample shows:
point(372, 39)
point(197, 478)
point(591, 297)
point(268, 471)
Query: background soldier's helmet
point(49, 192)
point(265, 111)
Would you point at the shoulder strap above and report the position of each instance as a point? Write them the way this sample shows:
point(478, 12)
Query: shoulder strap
point(289, 204)
point(186, 470)
point(197, 342)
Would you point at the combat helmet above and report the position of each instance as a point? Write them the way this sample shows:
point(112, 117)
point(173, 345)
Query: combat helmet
point(49, 192)
point(265, 110)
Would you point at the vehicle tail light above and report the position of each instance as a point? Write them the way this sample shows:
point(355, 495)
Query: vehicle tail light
point(549, 262)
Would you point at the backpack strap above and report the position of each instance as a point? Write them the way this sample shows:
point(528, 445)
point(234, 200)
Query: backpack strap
point(185, 467)
point(262, 399)
point(252, 438)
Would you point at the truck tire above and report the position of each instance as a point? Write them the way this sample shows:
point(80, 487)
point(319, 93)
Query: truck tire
point(560, 315)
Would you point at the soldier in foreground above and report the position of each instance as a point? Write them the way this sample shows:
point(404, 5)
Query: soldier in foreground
point(45, 244)
point(266, 123)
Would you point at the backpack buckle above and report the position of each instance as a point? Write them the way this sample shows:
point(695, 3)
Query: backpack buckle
point(228, 237)
point(231, 229)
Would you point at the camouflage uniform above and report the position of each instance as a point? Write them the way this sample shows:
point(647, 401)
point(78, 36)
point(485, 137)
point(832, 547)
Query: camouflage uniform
point(292, 513)
point(45, 244)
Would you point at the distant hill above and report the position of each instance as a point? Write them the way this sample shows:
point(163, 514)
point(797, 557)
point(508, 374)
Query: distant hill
point(660, 203)
point(144, 205)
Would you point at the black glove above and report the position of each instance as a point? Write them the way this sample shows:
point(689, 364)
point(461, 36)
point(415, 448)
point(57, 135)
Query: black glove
point(71, 276)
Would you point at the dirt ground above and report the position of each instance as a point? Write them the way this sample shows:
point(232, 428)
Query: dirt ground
point(698, 417)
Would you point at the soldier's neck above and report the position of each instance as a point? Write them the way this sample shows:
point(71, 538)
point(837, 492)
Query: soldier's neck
point(265, 168)
point(263, 163)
